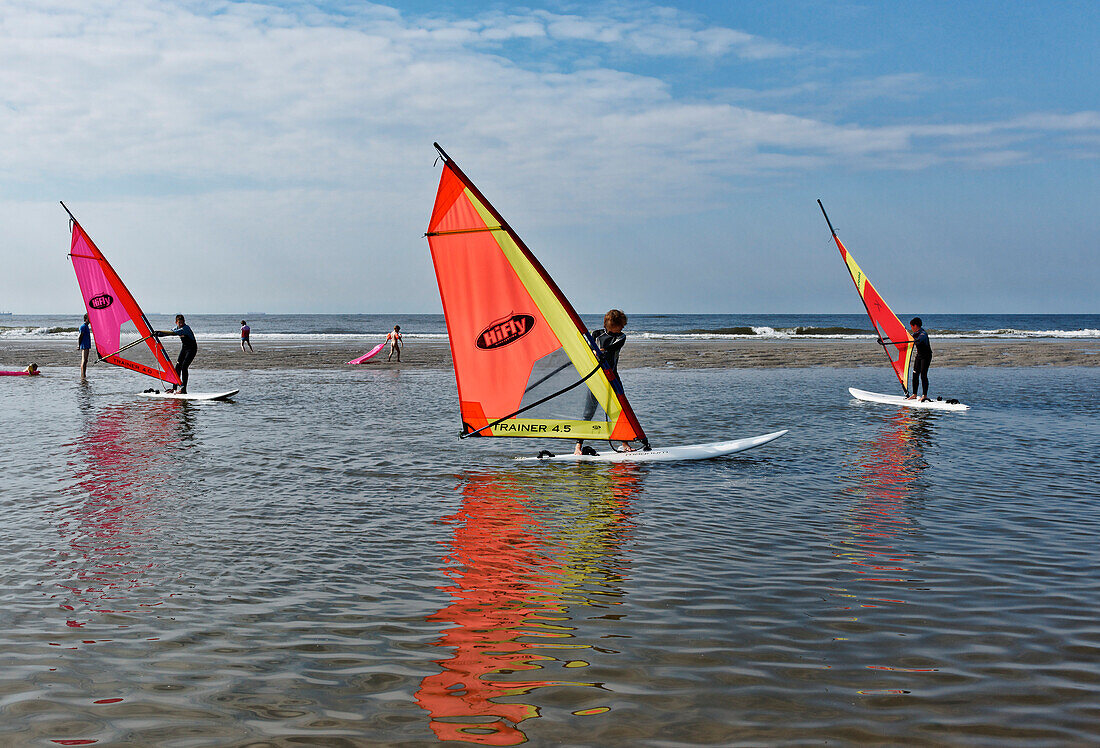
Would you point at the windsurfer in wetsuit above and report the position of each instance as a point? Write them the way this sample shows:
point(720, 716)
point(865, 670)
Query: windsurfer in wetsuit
point(609, 340)
point(921, 359)
point(187, 351)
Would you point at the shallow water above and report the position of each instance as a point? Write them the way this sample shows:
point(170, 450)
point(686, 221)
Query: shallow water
point(323, 562)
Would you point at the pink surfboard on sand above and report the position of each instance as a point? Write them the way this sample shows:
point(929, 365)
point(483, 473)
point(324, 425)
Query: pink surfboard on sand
point(369, 354)
point(18, 373)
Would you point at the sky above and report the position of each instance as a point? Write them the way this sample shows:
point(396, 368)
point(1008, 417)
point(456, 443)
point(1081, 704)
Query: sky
point(232, 157)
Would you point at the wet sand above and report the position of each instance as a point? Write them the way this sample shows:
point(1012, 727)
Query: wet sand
point(693, 354)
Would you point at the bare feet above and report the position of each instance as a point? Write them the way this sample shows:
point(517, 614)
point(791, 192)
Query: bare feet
point(911, 397)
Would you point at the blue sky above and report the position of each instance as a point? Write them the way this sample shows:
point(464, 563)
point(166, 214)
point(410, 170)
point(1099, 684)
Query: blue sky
point(656, 157)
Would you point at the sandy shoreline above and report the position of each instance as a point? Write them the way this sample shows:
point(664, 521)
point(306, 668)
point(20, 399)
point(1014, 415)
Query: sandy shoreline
point(693, 354)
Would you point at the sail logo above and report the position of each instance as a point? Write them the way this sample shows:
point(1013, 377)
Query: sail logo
point(102, 301)
point(505, 331)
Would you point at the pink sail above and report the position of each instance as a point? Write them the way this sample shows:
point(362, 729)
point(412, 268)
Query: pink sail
point(110, 305)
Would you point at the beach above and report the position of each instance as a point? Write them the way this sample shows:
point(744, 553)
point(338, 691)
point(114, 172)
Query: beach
point(638, 353)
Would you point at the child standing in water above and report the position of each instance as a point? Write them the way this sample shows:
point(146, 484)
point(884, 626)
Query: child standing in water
point(246, 331)
point(921, 359)
point(84, 343)
point(609, 340)
point(394, 339)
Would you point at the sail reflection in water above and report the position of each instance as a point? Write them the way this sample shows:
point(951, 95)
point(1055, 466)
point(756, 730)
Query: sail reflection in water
point(886, 475)
point(886, 467)
point(528, 549)
point(121, 487)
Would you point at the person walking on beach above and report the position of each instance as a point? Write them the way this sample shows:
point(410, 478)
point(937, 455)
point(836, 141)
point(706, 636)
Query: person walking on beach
point(394, 339)
point(84, 343)
point(921, 358)
point(188, 349)
point(609, 340)
point(246, 331)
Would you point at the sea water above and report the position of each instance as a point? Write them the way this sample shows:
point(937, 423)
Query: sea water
point(369, 327)
point(323, 562)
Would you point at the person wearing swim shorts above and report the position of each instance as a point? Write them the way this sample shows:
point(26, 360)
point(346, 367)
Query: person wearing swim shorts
point(188, 349)
point(246, 332)
point(394, 339)
point(921, 358)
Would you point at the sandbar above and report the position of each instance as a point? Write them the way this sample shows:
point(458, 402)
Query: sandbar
point(638, 353)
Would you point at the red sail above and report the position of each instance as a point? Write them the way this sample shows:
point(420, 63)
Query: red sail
point(893, 336)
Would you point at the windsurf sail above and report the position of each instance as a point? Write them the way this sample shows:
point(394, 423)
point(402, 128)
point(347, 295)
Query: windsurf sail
point(893, 336)
point(113, 312)
point(524, 362)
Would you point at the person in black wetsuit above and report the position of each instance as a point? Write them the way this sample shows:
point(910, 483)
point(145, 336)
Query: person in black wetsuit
point(187, 351)
point(609, 340)
point(921, 359)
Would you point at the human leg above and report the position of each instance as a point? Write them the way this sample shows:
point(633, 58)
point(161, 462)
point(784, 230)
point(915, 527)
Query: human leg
point(182, 365)
point(920, 374)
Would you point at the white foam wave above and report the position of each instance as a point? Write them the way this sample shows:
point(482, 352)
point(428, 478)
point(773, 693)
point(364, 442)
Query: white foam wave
point(1010, 333)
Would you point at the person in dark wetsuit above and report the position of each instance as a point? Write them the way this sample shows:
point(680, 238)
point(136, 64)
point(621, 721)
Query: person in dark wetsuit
point(609, 340)
point(187, 351)
point(921, 359)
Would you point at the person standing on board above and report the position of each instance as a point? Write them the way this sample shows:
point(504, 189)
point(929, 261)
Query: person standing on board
point(84, 343)
point(609, 340)
point(246, 331)
point(394, 339)
point(921, 359)
point(187, 351)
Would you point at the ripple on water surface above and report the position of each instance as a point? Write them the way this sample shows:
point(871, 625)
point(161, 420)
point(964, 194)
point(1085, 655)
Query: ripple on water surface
point(322, 562)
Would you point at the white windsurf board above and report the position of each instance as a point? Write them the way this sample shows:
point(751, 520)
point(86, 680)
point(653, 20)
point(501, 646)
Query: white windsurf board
point(898, 400)
point(190, 395)
point(666, 454)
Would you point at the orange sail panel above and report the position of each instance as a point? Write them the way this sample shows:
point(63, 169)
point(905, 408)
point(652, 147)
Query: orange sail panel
point(516, 342)
point(113, 311)
point(894, 336)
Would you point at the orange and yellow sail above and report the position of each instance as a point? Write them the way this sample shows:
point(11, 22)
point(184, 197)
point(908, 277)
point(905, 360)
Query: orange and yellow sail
point(524, 362)
point(893, 336)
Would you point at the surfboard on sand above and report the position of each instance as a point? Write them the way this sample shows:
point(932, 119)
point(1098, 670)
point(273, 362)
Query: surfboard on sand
point(19, 373)
point(898, 400)
point(666, 454)
point(113, 311)
point(369, 354)
point(525, 364)
point(190, 395)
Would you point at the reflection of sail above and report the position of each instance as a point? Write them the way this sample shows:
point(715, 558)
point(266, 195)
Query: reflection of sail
point(110, 526)
point(886, 469)
point(526, 548)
